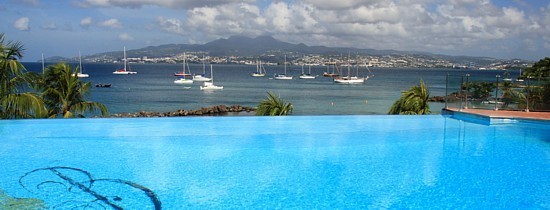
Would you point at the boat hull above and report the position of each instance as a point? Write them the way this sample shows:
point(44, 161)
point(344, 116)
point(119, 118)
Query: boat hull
point(282, 77)
point(211, 87)
point(346, 80)
point(124, 72)
point(199, 78)
point(183, 81)
point(79, 75)
point(307, 77)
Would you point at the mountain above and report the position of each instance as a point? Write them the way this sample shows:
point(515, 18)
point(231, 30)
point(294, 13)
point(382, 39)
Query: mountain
point(266, 45)
point(241, 46)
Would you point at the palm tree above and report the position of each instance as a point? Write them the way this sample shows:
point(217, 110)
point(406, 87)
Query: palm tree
point(510, 95)
point(273, 106)
point(64, 92)
point(14, 102)
point(413, 101)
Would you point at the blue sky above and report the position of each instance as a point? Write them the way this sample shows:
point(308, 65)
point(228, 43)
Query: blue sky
point(500, 29)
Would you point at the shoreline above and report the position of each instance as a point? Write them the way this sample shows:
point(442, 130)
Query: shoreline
point(218, 110)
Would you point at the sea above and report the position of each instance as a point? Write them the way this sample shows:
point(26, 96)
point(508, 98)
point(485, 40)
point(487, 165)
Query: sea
point(153, 88)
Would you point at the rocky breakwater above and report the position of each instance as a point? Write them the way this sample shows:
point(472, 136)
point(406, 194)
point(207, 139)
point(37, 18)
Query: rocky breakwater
point(205, 111)
point(453, 97)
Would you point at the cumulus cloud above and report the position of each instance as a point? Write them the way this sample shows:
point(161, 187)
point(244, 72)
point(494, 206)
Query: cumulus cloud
point(86, 22)
point(216, 22)
point(171, 25)
point(125, 37)
point(423, 25)
point(111, 23)
point(22, 24)
point(338, 5)
point(161, 3)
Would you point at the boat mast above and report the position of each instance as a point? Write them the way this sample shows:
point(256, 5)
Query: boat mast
point(203, 66)
point(348, 67)
point(43, 63)
point(183, 65)
point(211, 74)
point(285, 64)
point(125, 58)
point(79, 61)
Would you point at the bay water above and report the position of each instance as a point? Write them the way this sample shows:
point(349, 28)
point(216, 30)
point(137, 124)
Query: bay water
point(153, 89)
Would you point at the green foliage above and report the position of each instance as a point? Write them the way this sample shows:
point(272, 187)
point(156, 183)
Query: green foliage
point(539, 97)
point(510, 95)
point(64, 93)
point(480, 90)
point(539, 69)
point(273, 106)
point(413, 101)
point(14, 103)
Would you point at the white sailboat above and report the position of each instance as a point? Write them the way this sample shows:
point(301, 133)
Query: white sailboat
point(283, 76)
point(125, 69)
point(80, 73)
point(210, 85)
point(308, 75)
point(260, 70)
point(519, 77)
point(352, 79)
point(182, 79)
point(202, 77)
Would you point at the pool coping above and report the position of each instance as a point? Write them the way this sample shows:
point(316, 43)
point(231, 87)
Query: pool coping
point(498, 116)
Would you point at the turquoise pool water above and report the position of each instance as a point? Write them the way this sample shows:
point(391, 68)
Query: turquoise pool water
point(276, 162)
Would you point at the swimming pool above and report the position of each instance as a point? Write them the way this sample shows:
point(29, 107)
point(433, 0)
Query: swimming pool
point(276, 162)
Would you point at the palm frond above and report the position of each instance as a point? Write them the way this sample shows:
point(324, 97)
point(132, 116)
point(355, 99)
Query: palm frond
point(22, 105)
point(273, 106)
point(412, 101)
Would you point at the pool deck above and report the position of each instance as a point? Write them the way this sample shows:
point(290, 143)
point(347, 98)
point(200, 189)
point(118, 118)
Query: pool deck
point(504, 114)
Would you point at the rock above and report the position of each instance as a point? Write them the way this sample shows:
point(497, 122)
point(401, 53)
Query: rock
point(212, 110)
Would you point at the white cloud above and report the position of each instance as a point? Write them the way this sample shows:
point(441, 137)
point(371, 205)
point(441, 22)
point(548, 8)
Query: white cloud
point(86, 22)
point(171, 25)
point(189, 4)
point(22, 24)
point(111, 23)
point(338, 5)
point(424, 25)
point(125, 37)
point(215, 22)
point(49, 26)
point(296, 18)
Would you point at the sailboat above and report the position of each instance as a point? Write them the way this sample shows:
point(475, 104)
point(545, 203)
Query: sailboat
point(352, 79)
point(182, 79)
point(283, 76)
point(210, 85)
point(308, 75)
point(260, 70)
point(519, 77)
point(80, 73)
point(328, 73)
point(201, 77)
point(125, 69)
